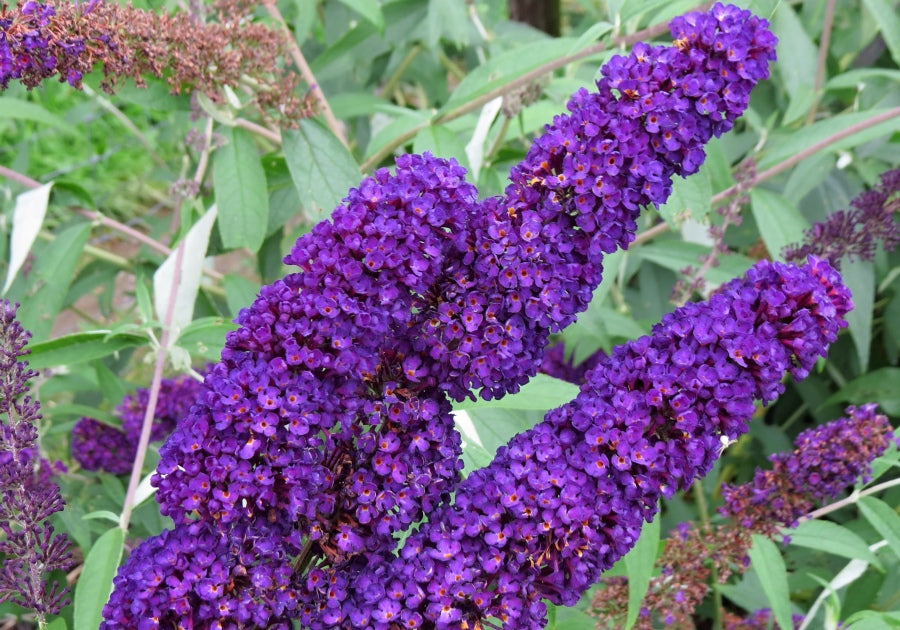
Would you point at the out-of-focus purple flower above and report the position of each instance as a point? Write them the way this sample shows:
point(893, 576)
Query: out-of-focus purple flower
point(854, 233)
point(29, 548)
point(555, 363)
point(566, 499)
point(825, 461)
point(99, 446)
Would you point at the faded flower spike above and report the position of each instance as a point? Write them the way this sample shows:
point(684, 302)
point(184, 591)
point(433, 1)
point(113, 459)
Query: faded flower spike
point(853, 233)
point(29, 548)
point(40, 40)
point(826, 460)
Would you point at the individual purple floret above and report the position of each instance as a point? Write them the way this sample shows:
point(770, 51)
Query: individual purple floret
point(566, 499)
point(29, 548)
point(825, 462)
point(854, 233)
point(99, 446)
point(234, 575)
point(534, 255)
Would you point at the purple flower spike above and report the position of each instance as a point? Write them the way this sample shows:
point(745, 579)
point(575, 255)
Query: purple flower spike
point(29, 548)
point(534, 255)
point(99, 446)
point(826, 461)
point(566, 499)
point(231, 576)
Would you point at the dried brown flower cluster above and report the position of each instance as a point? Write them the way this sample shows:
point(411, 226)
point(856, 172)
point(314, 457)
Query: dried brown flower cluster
point(70, 39)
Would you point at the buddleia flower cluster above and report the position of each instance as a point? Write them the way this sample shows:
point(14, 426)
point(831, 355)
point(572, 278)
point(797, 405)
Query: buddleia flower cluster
point(59, 38)
point(100, 446)
point(30, 550)
point(825, 462)
point(324, 433)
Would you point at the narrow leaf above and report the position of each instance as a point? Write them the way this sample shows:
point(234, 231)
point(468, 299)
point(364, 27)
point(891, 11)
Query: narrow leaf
point(798, 76)
point(779, 222)
point(369, 9)
point(28, 217)
point(884, 519)
point(881, 385)
point(95, 584)
point(17, 109)
point(886, 17)
point(241, 194)
point(188, 275)
point(542, 392)
point(834, 539)
point(639, 563)
point(322, 168)
point(53, 273)
point(79, 348)
point(769, 566)
point(859, 276)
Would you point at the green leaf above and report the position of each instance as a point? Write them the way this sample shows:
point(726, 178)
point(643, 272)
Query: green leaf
point(53, 274)
point(886, 18)
point(856, 78)
point(407, 121)
point(322, 168)
point(239, 292)
point(769, 566)
point(834, 539)
point(63, 410)
point(369, 9)
point(676, 255)
point(690, 197)
point(99, 514)
point(95, 584)
point(28, 217)
point(79, 348)
point(639, 563)
point(205, 337)
point(442, 142)
point(17, 109)
point(542, 392)
point(859, 276)
point(779, 222)
point(784, 143)
point(884, 519)
point(239, 183)
point(591, 35)
point(881, 386)
point(798, 75)
point(448, 21)
point(504, 68)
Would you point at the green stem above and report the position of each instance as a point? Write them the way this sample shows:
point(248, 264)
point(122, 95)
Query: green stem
point(404, 64)
point(703, 509)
